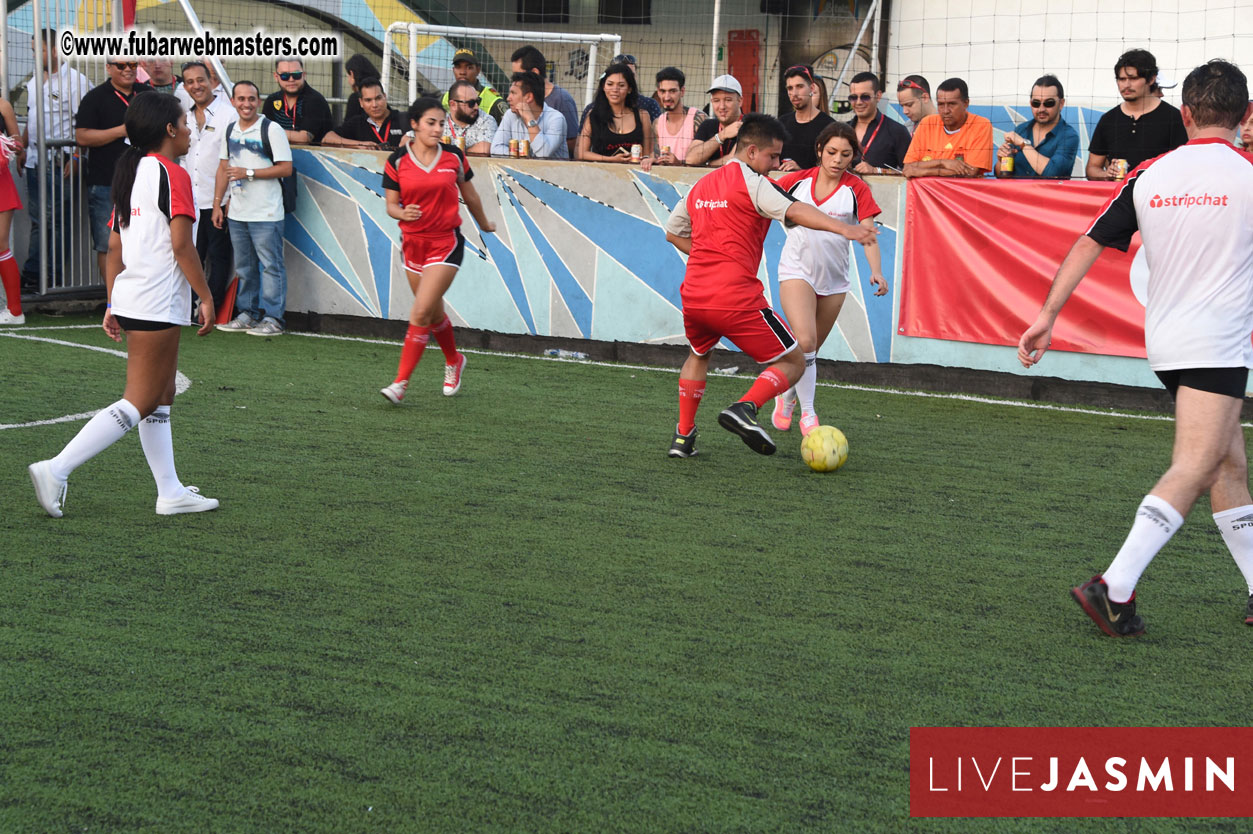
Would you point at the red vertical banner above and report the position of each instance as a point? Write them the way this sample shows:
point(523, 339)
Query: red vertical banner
point(980, 256)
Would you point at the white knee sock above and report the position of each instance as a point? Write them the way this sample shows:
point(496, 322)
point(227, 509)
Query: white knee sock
point(808, 382)
point(158, 443)
point(1236, 525)
point(101, 432)
point(1156, 521)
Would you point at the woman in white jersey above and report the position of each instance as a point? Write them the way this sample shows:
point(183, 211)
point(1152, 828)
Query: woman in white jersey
point(814, 266)
point(151, 269)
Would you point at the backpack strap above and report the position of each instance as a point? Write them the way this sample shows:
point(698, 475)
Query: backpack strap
point(265, 139)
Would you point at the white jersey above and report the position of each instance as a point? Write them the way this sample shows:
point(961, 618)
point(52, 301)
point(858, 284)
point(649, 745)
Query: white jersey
point(822, 258)
point(151, 285)
point(1193, 208)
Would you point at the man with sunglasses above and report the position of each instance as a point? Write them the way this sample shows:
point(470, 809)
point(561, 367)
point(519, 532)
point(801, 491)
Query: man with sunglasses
point(99, 127)
point(376, 127)
point(1045, 146)
point(883, 141)
point(913, 94)
point(954, 142)
point(804, 122)
point(467, 118)
point(298, 108)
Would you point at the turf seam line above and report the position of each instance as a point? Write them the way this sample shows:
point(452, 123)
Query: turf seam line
point(838, 385)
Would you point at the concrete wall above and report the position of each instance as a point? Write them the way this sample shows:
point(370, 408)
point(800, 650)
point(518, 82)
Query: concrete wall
point(581, 253)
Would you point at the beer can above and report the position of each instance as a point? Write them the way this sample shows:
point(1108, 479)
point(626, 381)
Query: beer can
point(1007, 164)
point(637, 152)
point(513, 148)
point(461, 142)
point(524, 147)
point(446, 139)
point(1118, 167)
point(665, 149)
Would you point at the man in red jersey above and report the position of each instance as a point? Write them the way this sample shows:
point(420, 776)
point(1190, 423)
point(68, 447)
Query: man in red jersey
point(721, 226)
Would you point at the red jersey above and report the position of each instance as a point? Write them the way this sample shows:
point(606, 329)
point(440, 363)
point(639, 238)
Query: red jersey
point(434, 190)
point(727, 214)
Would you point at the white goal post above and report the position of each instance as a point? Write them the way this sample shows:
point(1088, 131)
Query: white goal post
point(416, 30)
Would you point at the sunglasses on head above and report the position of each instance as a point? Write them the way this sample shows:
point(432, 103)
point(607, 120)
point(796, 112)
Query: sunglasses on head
point(907, 85)
point(1048, 102)
point(125, 65)
point(863, 97)
point(470, 102)
point(291, 76)
point(804, 71)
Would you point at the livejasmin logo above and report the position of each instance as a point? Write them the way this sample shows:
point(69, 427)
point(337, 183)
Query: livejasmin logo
point(1078, 775)
point(1187, 200)
point(1080, 772)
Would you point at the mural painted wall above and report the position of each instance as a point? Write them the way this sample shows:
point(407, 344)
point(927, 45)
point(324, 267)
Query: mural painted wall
point(581, 253)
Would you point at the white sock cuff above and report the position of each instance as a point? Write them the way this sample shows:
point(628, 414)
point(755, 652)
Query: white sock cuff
point(1162, 507)
point(124, 408)
point(810, 358)
point(1233, 514)
point(160, 414)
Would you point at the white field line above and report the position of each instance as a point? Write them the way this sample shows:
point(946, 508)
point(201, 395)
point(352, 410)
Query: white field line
point(839, 385)
point(181, 382)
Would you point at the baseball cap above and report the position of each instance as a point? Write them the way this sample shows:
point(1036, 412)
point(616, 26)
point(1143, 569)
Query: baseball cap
point(465, 56)
point(728, 83)
point(1166, 82)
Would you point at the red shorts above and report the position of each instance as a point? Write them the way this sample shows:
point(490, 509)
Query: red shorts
point(421, 251)
point(759, 333)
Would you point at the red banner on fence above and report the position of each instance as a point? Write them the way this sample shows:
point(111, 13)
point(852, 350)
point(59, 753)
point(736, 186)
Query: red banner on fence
point(980, 256)
point(1080, 772)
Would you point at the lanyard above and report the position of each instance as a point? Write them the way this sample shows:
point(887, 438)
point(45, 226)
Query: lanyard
point(292, 114)
point(865, 148)
point(386, 131)
point(125, 101)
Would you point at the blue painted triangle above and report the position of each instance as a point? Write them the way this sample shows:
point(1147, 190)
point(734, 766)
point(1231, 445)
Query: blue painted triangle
point(663, 189)
point(299, 237)
point(507, 265)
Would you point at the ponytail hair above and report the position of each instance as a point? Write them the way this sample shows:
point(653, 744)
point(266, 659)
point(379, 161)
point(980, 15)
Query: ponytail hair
point(147, 118)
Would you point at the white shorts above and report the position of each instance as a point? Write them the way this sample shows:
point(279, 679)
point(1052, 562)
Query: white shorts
point(821, 286)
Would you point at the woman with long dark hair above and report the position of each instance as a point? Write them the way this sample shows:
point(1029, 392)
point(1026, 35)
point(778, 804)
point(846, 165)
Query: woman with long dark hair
point(150, 271)
point(616, 121)
point(425, 183)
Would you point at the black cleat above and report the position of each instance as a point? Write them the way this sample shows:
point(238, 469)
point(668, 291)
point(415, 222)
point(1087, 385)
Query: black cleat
point(1117, 619)
point(1248, 612)
point(741, 418)
point(684, 445)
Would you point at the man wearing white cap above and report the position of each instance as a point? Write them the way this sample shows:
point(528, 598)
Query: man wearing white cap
point(715, 138)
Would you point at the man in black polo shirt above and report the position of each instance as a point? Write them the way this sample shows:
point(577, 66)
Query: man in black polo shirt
point(376, 127)
point(298, 108)
point(884, 142)
point(1142, 127)
point(99, 127)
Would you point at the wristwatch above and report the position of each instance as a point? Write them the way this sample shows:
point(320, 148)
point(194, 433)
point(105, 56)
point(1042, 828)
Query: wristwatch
point(533, 123)
point(250, 174)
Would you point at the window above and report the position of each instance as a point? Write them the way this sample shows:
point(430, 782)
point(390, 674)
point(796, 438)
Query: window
point(543, 11)
point(626, 12)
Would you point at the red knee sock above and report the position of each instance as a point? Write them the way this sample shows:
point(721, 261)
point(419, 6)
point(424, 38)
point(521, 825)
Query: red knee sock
point(415, 342)
point(770, 384)
point(690, 392)
point(447, 343)
point(12, 278)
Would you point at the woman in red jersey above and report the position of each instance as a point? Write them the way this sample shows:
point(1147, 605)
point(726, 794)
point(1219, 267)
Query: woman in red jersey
point(150, 271)
point(10, 147)
point(424, 182)
point(814, 266)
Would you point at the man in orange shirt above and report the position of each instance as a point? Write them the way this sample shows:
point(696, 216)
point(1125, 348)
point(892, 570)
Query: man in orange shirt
point(953, 142)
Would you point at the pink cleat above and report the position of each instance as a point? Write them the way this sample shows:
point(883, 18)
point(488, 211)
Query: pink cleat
point(809, 422)
point(782, 415)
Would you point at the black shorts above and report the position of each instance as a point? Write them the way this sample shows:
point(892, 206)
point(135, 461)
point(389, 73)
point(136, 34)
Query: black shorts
point(1229, 382)
point(142, 324)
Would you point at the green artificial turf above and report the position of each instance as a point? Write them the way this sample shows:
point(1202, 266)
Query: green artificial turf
point(510, 611)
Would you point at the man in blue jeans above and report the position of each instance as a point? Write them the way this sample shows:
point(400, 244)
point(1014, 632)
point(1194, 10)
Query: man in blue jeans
point(250, 181)
point(99, 127)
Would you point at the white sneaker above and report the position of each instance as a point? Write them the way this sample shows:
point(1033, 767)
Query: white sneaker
point(48, 488)
point(238, 324)
point(395, 392)
point(268, 327)
point(452, 375)
point(191, 501)
point(8, 318)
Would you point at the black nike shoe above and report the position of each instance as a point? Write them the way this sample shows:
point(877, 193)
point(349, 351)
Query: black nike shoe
point(741, 418)
point(683, 445)
point(1248, 612)
point(1117, 619)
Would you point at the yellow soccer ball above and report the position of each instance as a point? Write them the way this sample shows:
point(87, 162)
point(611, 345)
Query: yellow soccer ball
point(825, 449)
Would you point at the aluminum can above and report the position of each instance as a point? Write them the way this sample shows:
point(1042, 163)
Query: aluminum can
point(461, 142)
point(446, 139)
point(524, 148)
point(637, 152)
point(513, 148)
point(1007, 164)
point(665, 149)
point(1118, 167)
